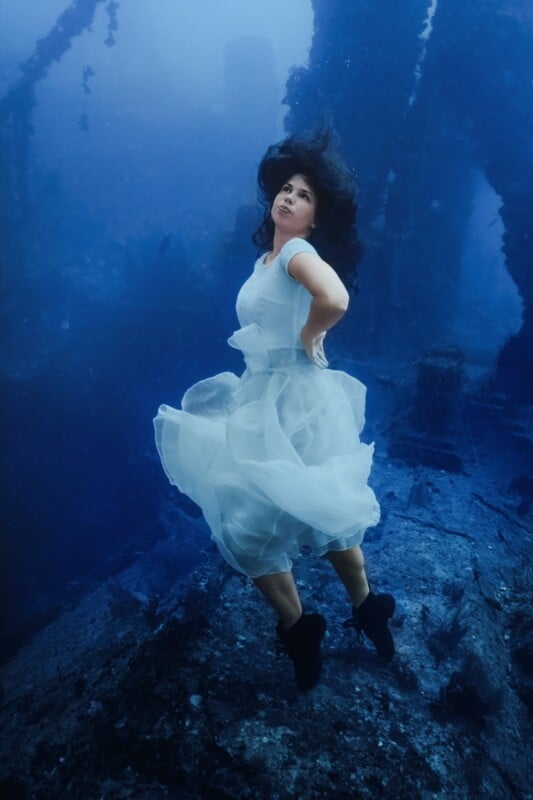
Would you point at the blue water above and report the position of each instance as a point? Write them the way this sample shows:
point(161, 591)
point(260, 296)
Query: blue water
point(130, 141)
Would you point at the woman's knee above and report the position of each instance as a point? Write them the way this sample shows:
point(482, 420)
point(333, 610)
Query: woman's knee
point(353, 556)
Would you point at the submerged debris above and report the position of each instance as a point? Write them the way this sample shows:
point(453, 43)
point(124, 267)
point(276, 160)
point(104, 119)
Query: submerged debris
point(158, 687)
point(444, 641)
point(469, 694)
point(428, 435)
point(522, 654)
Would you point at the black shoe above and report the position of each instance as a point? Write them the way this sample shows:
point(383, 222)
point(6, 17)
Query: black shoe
point(302, 642)
point(372, 618)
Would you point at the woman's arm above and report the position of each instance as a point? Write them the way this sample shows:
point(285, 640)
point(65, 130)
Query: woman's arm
point(328, 306)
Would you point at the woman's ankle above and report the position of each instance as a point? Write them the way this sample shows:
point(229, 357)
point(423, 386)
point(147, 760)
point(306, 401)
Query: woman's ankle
point(288, 620)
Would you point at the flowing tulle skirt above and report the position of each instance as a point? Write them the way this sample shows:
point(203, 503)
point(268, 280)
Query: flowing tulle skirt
point(275, 462)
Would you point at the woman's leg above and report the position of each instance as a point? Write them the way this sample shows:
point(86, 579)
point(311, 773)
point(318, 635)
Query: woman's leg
point(371, 612)
point(350, 567)
point(301, 633)
point(280, 591)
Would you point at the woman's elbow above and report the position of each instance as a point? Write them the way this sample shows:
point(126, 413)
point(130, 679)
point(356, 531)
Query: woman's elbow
point(342, 301)
point(336, 300)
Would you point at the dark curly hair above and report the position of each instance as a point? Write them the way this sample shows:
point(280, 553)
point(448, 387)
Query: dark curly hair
point(335, 236)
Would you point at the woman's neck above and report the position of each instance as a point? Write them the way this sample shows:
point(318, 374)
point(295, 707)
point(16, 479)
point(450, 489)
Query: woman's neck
point(280, 239)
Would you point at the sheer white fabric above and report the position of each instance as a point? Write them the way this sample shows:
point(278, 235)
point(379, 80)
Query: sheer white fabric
point(273, 458)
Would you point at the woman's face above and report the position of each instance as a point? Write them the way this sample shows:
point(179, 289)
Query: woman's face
point(294, 207)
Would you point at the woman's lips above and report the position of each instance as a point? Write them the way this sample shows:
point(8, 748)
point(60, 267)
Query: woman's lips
point(284, 210)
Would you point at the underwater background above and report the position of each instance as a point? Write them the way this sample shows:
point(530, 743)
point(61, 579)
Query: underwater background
point(130, 135)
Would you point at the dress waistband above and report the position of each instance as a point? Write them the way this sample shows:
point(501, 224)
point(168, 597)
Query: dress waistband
point(259, 358)
point(281, 357)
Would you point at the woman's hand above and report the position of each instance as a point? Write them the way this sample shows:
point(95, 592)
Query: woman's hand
point(314, 347)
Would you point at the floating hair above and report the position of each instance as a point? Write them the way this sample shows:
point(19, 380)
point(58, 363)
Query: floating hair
point(335, 236)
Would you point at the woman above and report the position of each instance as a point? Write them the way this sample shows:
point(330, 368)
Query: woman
point(274, 458)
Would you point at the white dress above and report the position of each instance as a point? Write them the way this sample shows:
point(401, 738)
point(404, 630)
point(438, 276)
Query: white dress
point(273, 458)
